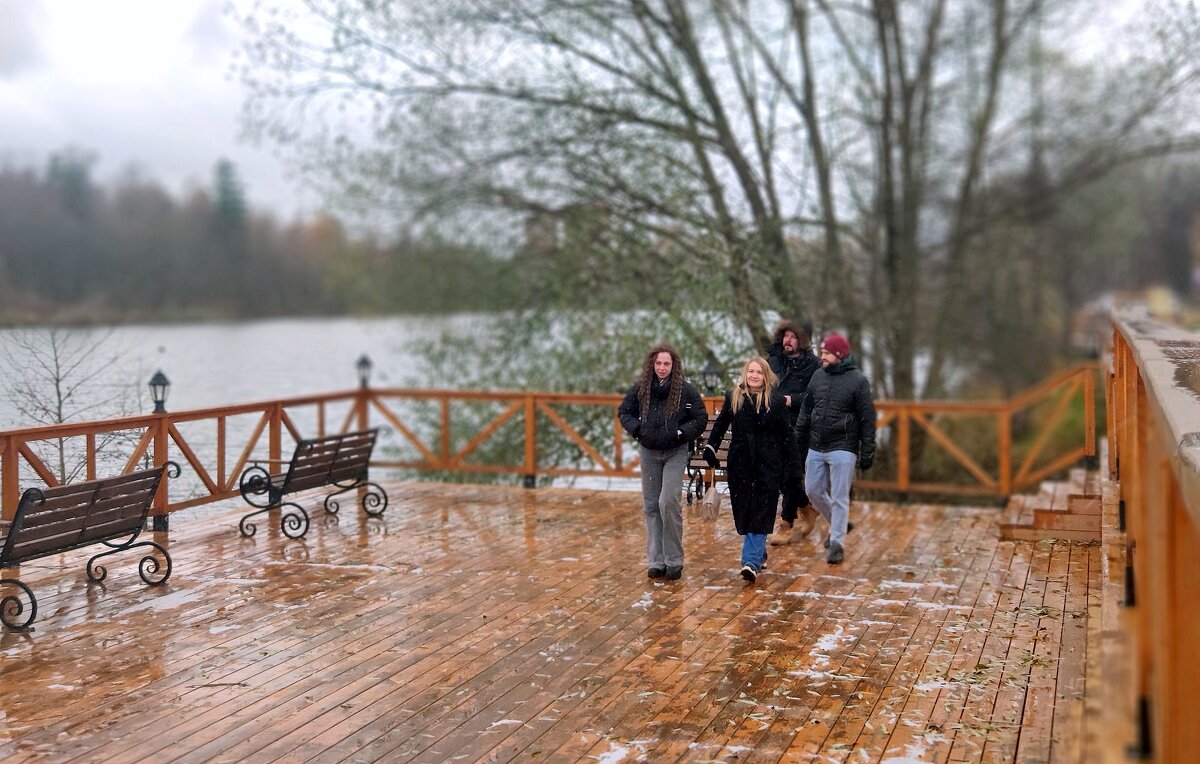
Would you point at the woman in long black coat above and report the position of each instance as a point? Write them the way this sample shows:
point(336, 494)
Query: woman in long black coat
point(762, 454)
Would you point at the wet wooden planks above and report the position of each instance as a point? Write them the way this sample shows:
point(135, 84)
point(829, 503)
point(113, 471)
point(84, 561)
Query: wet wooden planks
point(488, 623)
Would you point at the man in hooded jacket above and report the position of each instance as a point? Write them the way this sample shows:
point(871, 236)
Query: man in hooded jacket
point(791, 358)
point(836, 427)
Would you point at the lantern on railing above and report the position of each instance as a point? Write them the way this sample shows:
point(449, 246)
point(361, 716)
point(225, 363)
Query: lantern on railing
point(159, 384)
point(363, 364)
point(712, 376)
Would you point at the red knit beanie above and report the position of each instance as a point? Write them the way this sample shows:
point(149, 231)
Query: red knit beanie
point(838, 345)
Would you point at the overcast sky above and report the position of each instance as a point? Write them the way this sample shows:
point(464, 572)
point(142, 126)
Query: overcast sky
point(147, 82)
point(136, 81)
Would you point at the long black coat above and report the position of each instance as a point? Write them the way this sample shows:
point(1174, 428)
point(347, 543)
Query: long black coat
point(762, 453)
point(793, 373)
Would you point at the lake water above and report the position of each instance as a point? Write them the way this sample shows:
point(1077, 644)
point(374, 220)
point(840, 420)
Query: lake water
point(216, 364)
point(219, 364)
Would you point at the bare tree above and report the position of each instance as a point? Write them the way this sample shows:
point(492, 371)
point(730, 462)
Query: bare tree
point(840, 161)
point(58, 375)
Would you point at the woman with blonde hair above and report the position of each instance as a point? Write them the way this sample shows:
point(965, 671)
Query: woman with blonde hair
point(762, 454)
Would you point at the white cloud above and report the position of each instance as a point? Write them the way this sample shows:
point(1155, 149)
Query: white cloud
point(141, 82)
point(20, 48)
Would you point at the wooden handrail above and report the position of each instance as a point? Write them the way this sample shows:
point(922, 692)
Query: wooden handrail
point(1148, 668)
point(432, 444)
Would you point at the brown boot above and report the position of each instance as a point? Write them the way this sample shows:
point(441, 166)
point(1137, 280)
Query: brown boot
point(804, 523)
point(783, 534)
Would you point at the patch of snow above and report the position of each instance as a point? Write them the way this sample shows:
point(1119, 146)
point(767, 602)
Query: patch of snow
point(818, 596)
point(834, 640)
point(936, 684)
point(914, 753)
point(940, 606)
point(615, 753)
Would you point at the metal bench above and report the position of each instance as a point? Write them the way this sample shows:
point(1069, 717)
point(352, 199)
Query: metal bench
point(337, 460)
point(54, 520)
point(700, 476)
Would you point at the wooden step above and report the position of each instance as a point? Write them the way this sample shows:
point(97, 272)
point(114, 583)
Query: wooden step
point(1018, 511)
point(1066, 521)
point(1038, 534)
point(1078, 504)
point(1065, 509)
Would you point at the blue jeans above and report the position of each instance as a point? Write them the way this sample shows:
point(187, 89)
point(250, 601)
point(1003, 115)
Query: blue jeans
point(827, 478)
point(662, 482)
point(754, 550)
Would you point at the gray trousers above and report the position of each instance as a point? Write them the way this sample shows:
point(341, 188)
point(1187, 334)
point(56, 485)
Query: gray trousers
point(662, 482)
point(827, 477)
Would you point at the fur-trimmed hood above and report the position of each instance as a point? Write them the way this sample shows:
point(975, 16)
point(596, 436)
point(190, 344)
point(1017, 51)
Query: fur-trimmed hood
point(802, 332)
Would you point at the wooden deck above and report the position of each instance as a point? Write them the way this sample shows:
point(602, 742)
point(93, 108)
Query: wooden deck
point(484, 623)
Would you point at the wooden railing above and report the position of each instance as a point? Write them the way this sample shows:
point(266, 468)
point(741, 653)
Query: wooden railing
point(958, 433)
point(1149, 670)
point(536, 434)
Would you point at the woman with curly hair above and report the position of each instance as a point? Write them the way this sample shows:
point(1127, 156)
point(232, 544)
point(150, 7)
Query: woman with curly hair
point(762, 455)
point(663, 413)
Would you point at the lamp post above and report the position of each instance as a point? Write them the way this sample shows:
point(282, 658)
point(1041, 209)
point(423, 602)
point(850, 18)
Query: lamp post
point(159, 384)
point(712, 376)
point(363, 364)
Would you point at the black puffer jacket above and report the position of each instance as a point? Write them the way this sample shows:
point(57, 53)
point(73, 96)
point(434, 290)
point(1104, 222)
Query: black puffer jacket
point(762, 455)
point(656, 430)
point(794, 374)
point(838, 413)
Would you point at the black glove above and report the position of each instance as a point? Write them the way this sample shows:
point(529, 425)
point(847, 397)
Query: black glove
point(710, 456)
point(865, 462)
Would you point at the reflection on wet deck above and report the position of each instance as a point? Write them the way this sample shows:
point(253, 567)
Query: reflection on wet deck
point(502, 624)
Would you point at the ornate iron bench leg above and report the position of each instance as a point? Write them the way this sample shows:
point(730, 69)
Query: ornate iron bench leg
point(293, 524)
point(11, 606)
point(331, 503)
point(375, 500)
point(147, 567)
point(248, 528)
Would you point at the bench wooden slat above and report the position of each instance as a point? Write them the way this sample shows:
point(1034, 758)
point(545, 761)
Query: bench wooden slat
point(78, 514)
point(54, 512)
point(696, 463)
point(342, 474)
point(26, 549)
point(333, 459)
point(81, 529)
point(336, 460)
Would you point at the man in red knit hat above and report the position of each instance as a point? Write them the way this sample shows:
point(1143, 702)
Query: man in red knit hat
point(835, 432)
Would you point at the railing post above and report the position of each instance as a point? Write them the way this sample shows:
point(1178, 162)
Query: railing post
point(158, 512)
point(1089, 419)
point(530, 465)
point(275, 436)
point(1005, 426)
point(364, 401)
point(9, 475)
point(903, 450)
point(618, 442)
point(445, 442)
